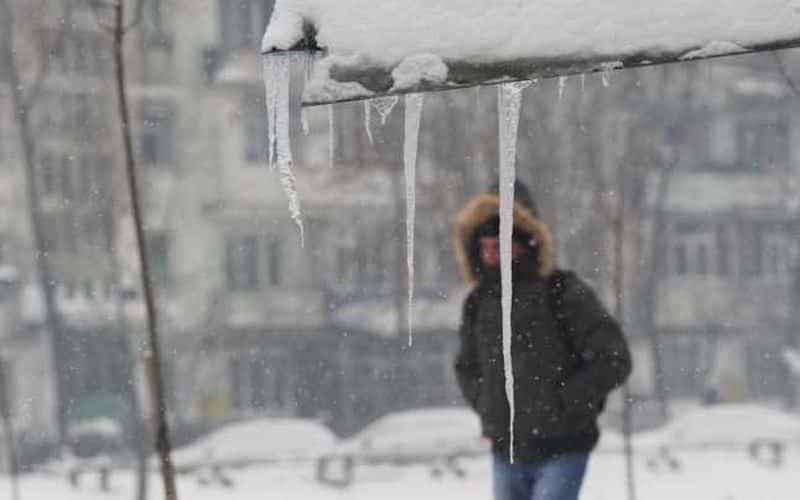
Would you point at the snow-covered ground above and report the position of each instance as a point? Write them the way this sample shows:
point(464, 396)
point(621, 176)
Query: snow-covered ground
point(706, 475)
point(707, 457)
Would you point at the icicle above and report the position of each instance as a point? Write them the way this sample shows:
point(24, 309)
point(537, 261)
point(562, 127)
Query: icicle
point(413, 114)
point(271, 90)
point(606, 77)
point(509, 102)
point(607, 68)
point(368, 120)
point(331, 138)
point(384, 106)
point(310, 58)
point(304, 121)
point(562, 83)
point(308, 61)
point(277, 77)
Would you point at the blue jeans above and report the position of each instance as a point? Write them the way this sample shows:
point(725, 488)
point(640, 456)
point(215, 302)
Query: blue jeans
point(558, 478)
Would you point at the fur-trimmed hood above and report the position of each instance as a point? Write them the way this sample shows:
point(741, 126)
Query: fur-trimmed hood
point(482, 208)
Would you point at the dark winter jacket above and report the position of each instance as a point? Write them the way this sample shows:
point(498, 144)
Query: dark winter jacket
point(568, 353)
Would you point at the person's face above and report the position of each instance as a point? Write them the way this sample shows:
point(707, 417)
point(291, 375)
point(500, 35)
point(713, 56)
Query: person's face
point(490, 250)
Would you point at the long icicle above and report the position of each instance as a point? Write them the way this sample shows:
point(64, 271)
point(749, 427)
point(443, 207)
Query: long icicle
point(308, 61)
point(562, 83)
point(277, 77)
point(304, 122)
point(271, 90)
point(509, 103)
point(368, 120)
point(413, 114)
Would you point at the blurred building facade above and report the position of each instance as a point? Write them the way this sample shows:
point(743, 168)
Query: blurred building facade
point(256, 324)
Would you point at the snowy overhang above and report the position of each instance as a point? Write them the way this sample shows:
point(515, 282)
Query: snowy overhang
point(374, 48)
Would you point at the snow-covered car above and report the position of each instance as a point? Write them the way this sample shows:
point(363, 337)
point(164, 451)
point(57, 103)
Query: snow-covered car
point(434, 436)
point(256, 441)
point(730, 425)
point(418, 434)
point(761, 432)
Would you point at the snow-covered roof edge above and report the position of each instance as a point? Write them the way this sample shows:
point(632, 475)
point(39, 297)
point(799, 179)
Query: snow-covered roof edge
point(367, 58)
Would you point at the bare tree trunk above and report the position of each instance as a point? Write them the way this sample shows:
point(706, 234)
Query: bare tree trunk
point(162, 437)
point(53, 321)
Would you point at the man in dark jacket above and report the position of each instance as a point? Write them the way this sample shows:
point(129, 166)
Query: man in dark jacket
point(568, 353)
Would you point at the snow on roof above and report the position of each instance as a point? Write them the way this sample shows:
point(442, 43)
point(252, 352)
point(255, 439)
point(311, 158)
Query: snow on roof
point(388, 31)
point(566, 33)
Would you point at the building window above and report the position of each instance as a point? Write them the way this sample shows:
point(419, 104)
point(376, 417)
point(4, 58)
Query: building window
point(6, 376)
point(67, 186)
point(157, 134)
point(686, 364)
point(723, 141)
point(777, 253)
point(765, 373)
point(158, 250)
point(274, 258)
point(345, 256)
point(681, 259)
point(259, 382)
point(242, 22)
point(154, 33)
point(695, 250)
point(241, 263)
point(763, 142)
point(255, 132)
point(48, 175)
point(85, 171)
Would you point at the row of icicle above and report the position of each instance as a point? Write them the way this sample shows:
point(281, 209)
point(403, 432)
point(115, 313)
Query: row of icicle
point(277, 77)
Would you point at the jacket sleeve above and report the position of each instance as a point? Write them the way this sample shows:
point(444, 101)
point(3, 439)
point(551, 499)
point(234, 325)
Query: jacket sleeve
point(598, 339)
point(467, 366)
